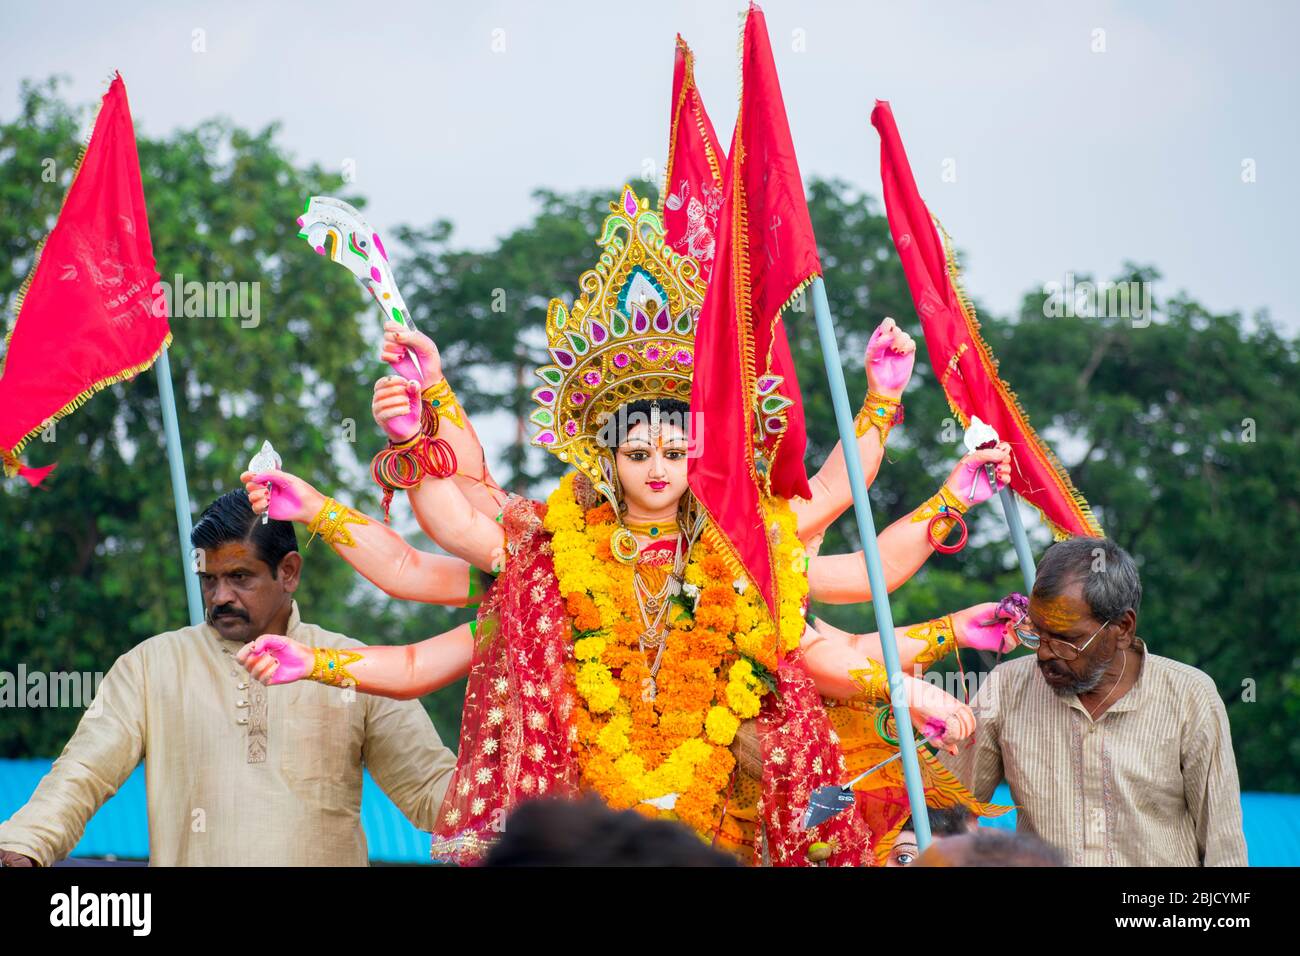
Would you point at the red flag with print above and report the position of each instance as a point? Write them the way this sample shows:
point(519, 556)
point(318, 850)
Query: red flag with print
point(692, 195)
point(745, 393)
point(87, 315)
point(962, 360)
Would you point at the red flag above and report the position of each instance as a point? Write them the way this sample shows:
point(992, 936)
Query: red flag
point(692, 195)
point(86, 315)
point(962, 361)
point(744, 379)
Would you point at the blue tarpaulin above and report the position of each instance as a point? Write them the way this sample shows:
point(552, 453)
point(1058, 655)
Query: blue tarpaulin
point(120, 828)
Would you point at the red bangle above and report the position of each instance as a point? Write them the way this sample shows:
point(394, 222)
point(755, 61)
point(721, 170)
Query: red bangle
point(937, 542)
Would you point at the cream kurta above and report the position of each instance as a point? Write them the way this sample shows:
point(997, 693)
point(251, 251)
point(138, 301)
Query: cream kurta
point(1152, 782)
point(236, 773)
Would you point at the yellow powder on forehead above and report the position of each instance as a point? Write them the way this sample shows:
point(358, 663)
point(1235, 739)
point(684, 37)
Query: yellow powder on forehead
point(1059, 614)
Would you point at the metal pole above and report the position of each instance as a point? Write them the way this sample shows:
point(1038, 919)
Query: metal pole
point(180, 491)
point(875, 571)
point(1011, 512)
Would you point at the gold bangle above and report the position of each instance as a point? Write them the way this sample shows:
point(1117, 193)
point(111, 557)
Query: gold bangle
point(941, 502)
point(879, 412)
point(873, 680)
point(331, 523)
point(940, 640)
point(331, 667)
point(442, 400)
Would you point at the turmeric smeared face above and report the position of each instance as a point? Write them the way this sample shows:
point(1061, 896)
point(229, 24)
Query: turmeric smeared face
point(1067, 617)
point(1059, 615)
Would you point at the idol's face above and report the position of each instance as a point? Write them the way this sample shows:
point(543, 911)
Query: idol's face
point(652, 468)
point(904, 851)
point(240, 596)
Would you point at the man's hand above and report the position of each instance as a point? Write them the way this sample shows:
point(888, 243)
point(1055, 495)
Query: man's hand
point(398, 338)
point(891, 353)
point(10, 858)
point(273, 659)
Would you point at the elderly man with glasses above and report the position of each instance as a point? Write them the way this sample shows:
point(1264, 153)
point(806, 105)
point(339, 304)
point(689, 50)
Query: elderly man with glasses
point(1116, 756)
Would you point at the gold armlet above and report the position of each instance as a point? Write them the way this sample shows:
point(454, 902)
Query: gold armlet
point(873, 680)
point(940, 640)
point(443, 402)
point(331, 667)
point(941, 502)
point(331, 523)
point(879, 412)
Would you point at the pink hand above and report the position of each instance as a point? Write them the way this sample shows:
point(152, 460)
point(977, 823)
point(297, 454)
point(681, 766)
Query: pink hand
point(969, 481)
point(891, 353)
point(396, 407)
point(988, 627)
point(291, 662)
point(409, 423)
point(934, 730)
point(286, 504)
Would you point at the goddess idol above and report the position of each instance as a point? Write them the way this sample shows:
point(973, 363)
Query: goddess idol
point(618, 649)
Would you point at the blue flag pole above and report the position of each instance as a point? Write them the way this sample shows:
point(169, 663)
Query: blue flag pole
point(180, 491)
point(875, 571)
point(1011, 511)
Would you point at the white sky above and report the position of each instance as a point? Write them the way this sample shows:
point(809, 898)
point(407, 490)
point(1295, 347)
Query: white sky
point(1066, 159)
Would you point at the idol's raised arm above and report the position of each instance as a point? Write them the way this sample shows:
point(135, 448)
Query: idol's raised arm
point(393, 397)
point(889, 358)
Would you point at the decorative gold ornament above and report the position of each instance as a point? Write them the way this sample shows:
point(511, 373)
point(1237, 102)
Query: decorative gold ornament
point(629, 335)
point(443, 402)
point(624, 545)
point(879, 412)
point(941, 502)
point(331, 523)
point(939, 637)
point(331, 667)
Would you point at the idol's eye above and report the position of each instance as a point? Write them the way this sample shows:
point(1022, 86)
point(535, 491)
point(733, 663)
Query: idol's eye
point(675, 454)
point(904, 859)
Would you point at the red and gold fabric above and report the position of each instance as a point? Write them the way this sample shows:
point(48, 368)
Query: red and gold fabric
point(746, 392)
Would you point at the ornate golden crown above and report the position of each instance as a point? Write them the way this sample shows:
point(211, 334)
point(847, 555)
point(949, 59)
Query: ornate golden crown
point(630, 335)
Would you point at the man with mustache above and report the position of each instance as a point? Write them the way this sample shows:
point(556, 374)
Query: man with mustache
point(218, 745)
point(1114, 755)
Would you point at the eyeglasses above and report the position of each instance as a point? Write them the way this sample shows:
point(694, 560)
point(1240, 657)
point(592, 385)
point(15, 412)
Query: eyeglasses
point(1029, 637)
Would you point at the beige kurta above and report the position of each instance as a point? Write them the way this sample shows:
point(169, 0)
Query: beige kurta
point(1152, 782)
point(236, 773)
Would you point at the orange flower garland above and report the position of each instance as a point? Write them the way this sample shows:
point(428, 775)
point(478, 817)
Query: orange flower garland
point(667, 755)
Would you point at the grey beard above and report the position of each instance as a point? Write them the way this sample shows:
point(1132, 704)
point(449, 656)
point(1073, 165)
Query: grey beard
point(1083, 685)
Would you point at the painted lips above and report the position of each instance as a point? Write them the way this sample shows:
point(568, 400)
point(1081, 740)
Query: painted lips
point(658, 485)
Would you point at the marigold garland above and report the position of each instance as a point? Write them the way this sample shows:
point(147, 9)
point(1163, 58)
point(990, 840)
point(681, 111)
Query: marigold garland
point(631, 748)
